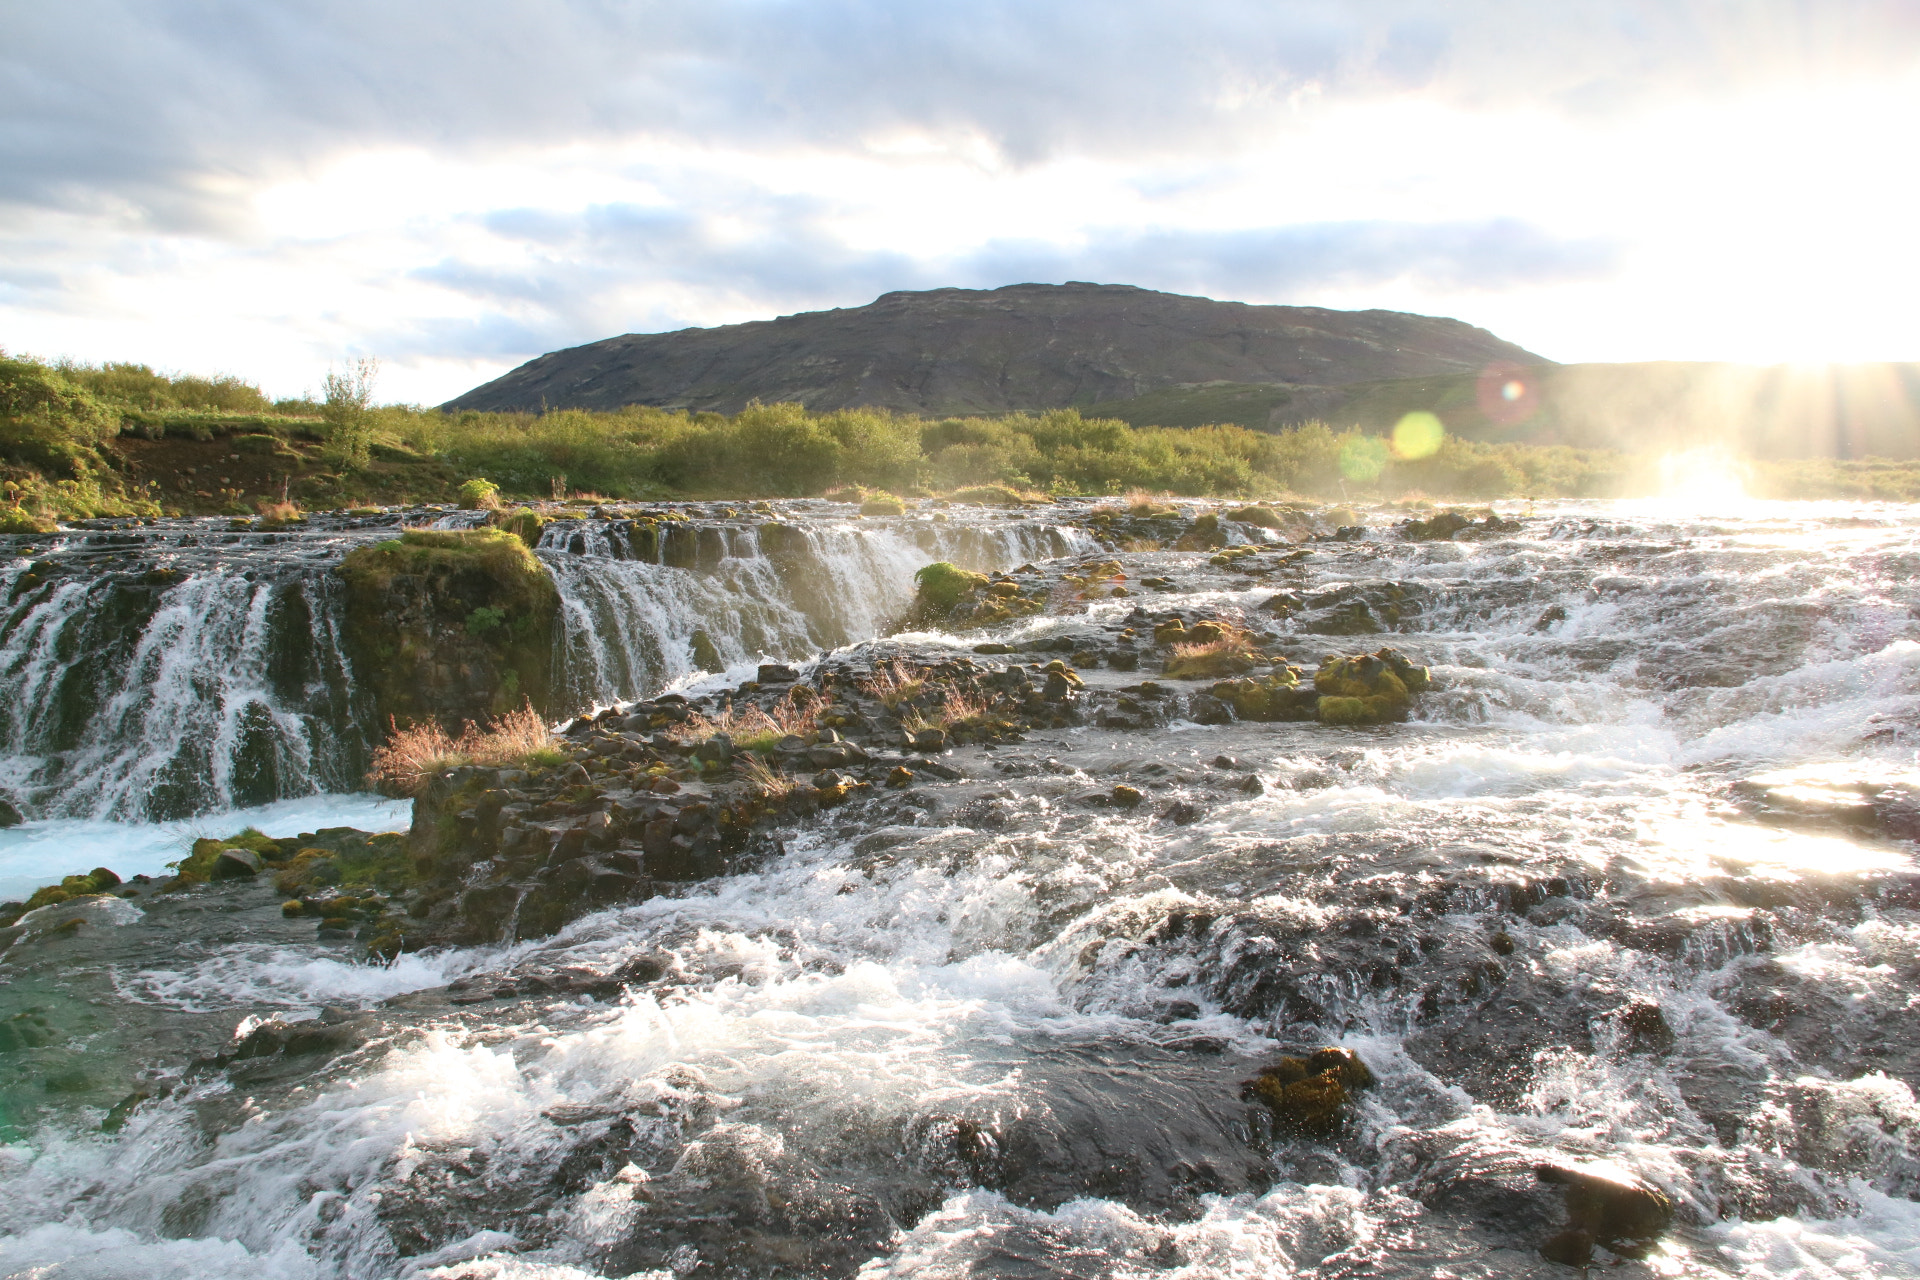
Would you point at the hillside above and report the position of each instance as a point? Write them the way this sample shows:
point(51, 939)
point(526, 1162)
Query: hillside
point(1776, 411)
point(969, 351)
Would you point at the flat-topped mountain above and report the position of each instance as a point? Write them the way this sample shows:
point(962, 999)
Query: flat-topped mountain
point(974, 351)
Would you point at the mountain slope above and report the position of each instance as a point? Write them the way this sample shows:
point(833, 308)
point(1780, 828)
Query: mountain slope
point(970, 351)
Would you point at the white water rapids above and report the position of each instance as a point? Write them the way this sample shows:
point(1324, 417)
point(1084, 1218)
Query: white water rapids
point(1465, 900)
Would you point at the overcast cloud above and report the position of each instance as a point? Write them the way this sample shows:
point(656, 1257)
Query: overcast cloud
point(459, 184)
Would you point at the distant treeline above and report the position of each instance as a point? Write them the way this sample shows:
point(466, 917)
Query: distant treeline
point(61, 425)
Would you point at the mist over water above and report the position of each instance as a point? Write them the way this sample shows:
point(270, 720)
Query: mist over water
point(1006, 1037)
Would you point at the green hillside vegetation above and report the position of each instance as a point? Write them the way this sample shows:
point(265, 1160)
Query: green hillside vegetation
point(119, 439)
point(1767, 412)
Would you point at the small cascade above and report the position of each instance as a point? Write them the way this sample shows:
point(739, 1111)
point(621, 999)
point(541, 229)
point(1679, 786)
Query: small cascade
point(634, 595)
point(130, 698)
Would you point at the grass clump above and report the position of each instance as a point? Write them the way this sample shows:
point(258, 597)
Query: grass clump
point(892, 683)
point(995, 495)
point(412, 755)
point(523, 523)
point(754, 729)
point(279, 515)
point(763, 780)
point(883, 504)
point(1211, 650)
point(20, 520)
point(479, 494)
point(500, 555)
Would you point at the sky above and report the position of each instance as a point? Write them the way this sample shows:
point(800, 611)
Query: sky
point(272, 187)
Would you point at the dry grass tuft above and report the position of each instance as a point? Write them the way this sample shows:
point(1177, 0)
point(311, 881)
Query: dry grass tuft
point(892, 683)
point(752, 728)
point(1224, 656)
point(414, 754)
point(763, 779)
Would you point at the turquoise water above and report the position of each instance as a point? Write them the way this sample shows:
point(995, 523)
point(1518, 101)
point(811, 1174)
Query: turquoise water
point(37, 853)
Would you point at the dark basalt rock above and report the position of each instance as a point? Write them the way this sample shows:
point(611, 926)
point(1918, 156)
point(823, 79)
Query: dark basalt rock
point(451, 626)
point(1607, 1207)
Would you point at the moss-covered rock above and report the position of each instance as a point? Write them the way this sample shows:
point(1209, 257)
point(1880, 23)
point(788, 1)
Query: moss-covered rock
point(1280, 695)
point(1211, 650)
point(450, 625)
point(523, 523)
point(706, 654)
point(942, 589)
point(1372, 688)
point(1311, 1097)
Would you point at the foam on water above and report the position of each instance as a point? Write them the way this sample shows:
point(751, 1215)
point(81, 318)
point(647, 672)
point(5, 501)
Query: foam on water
point(845, 994)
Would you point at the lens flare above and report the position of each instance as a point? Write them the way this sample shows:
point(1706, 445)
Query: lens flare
point(1507, 393)
point(1418, 435)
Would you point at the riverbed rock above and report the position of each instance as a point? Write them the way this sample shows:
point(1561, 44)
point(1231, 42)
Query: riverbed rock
point(1607, 1206)
point(234, 861)
point(1372, 688)
point(1311, 1096)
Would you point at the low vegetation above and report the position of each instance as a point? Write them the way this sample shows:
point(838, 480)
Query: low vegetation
point(82, 440)
point(414, 754)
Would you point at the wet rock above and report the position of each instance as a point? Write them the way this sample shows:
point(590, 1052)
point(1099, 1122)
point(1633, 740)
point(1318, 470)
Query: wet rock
point(1278, 696)
point(1125, 797)
point(706, 654)
point(1607, 1206)
point(776, 673)
point(1204, 708)
point(1643, 1027)
point(10, 816)
point(1435, 528)
point(1374, 688)
point(234, 862)
point(1854, 796)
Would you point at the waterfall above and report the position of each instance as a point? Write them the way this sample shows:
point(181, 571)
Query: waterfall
point(630, 603)
point(125, 698)
point(152, 673)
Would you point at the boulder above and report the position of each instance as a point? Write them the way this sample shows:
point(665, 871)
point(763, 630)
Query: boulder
point(1606, 1206)
point(1372, 688)
point(1311, 1097)
point(235, 863)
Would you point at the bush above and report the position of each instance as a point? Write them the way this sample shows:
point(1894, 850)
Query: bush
point(479, 495)
point(348, 411)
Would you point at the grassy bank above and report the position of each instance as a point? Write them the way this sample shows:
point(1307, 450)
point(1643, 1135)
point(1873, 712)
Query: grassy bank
point(79, 440)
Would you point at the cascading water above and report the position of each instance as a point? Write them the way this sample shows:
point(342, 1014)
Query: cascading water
point(150, 673)
point(776, 590)
point(192, 672)
point(1000, 1029)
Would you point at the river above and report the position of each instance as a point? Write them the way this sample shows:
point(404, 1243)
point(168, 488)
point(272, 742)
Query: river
point(1635, 885)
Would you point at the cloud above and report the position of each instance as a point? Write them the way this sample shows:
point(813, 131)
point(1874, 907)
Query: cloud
point(577, 271)
point(158, 111)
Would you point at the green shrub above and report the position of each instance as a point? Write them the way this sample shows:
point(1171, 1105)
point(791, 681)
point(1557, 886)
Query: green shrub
point(479, 495)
